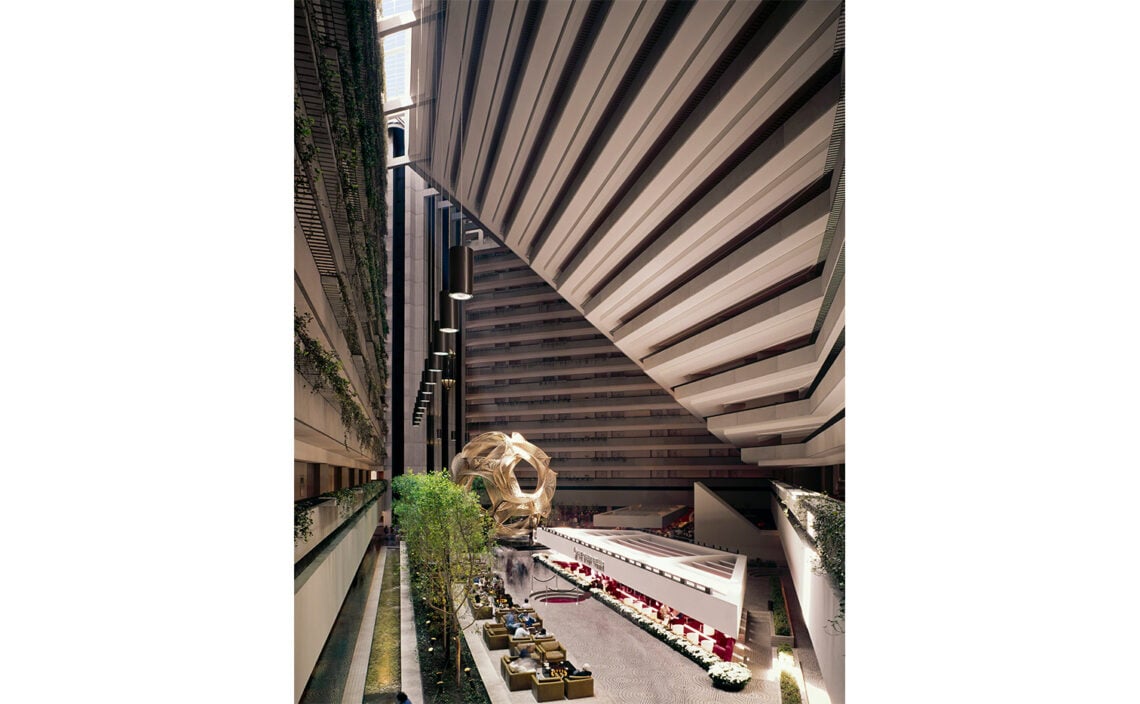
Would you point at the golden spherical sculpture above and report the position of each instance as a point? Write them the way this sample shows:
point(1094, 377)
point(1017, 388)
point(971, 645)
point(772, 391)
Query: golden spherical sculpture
point(493, 456)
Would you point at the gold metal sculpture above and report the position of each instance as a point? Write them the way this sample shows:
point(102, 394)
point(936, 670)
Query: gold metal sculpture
point(493, 456)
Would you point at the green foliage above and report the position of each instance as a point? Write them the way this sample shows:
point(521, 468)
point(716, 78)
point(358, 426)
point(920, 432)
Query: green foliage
point(345, 502)
point(383, 677)
point(351, 83)
point(823, 519)
point(784, 648)
point(789, 690)
point(828, 523)
point(449, 539)
point(829, 526)
point(435, 660)
point(322, 370)
point(346, 499)
point(302, 522)
point(303, 133)
point(780, 610)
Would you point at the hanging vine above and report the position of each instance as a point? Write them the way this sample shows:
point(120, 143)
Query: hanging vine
point(322, 370)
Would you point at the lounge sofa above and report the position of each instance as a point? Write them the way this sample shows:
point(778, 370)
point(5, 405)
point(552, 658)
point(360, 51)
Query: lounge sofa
point(517, 679)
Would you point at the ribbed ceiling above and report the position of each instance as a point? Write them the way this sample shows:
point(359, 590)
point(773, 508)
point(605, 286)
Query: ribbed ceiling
point(674, 173)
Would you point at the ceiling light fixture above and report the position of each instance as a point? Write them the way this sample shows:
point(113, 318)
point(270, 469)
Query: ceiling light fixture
point(448, 313)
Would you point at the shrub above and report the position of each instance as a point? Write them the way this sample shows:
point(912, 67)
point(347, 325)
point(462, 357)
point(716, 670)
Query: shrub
point(784, 649)
point(789, 690)
point(829, 525)
point(780, 610)
point(434, 662)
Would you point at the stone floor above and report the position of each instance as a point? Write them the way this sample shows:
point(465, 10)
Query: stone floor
point(629, 665)
point(410, 678)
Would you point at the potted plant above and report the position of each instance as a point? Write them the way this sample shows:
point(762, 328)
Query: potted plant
point(730, 676)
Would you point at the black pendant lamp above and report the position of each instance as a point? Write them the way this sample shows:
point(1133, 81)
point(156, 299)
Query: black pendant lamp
point(441, 343)
point(433, 363)
point(448, 313)
point(462, 273)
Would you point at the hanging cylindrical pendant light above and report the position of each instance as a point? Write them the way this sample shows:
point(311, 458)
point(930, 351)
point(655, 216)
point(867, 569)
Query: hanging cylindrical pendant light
point(448, 313)
point(441, 343)
point(434, 363)
point(432, 377)
point(462, 272)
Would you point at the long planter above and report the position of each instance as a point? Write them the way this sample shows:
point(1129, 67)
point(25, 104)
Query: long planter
point(327, 517)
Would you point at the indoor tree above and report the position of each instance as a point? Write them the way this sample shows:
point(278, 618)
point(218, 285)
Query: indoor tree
point(449, 538)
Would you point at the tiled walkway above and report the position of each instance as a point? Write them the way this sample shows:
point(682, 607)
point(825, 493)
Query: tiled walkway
point(354, 685)
point(410, 680)
point(629, 665)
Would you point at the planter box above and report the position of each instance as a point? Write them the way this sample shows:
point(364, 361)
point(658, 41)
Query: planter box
point(326, 519)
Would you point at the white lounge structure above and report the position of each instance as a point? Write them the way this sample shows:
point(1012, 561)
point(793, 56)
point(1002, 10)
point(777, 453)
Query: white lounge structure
point(704, 583)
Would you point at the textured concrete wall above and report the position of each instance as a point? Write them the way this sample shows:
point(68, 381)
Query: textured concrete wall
point(819, 604)
point(718, 524)
point(319, 592)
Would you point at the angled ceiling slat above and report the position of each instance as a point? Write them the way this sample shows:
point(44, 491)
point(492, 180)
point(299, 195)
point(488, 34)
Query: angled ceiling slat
point(675, 176)
point(595, 83)
point(555, 35)
point(690, 55)
point(746, 97)
point(503, 39)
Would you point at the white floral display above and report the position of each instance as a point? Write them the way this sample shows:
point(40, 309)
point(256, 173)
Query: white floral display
point(732, 674)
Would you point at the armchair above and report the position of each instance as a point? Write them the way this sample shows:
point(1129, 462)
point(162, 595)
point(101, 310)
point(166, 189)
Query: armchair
point(579, 686)
point(551, 650)
point(480, 610)
point(495, 636)
point(517, 678)
point(547, 689)
point(514, 643)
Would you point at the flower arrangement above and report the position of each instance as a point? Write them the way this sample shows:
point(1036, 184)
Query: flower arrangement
point(690, 650)
point(731, 676)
